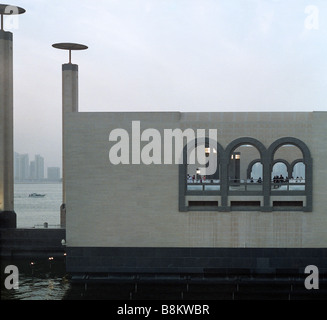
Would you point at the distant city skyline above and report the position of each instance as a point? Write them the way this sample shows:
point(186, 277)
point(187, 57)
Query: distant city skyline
point(33, 170)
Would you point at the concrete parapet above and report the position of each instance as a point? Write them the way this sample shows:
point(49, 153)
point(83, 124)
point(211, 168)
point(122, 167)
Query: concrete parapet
point(31, 242)
point(8, 219)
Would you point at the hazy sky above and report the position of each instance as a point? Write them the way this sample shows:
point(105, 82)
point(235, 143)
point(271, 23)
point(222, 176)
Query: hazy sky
point(166, 55)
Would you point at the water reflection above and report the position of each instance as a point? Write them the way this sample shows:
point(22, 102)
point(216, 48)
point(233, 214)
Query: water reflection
point(38, 280)
point(46, 279)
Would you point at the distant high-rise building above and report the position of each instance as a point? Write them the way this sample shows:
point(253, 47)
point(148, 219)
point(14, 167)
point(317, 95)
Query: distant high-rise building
point(54, 173)
point(25, 170)
point(22, 167)
point(32, 170)
point(39, 167)
point(16, 165)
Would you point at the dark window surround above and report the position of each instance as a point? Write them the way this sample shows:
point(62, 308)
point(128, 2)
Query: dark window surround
point(245, 203)
point(287, 203)
point(267, 160)
point(202, 203)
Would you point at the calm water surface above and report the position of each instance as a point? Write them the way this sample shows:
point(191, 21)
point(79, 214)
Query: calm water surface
point(35, 211)
point(45, 280)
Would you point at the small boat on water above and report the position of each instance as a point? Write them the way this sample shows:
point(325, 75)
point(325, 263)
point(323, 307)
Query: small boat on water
point(36, 195)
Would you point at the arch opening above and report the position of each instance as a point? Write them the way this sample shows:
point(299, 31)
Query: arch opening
point(241, 158)
point(285, 158)
point(203, 167)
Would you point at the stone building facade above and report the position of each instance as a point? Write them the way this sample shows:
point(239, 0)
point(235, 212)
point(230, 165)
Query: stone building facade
point(136, 217)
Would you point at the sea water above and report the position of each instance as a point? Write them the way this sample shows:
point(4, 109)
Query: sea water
point(38, 280)
point(34, 212)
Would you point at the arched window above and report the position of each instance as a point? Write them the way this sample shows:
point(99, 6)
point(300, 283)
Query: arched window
point(246, 168)
point(298, 170)
point(240, 154)
point(282, 171)
point(202, 168)
point(291, 150)
point(256, 171)
point(280, 168)
point(200, 172)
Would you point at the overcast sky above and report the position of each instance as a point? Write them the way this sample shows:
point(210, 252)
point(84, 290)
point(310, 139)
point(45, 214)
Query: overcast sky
point(165, 55)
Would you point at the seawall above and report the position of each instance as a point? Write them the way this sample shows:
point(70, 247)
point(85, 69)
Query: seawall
point(37, 243)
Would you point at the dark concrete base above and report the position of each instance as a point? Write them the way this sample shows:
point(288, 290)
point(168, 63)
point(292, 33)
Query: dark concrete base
point(8, 219)
point(32, 243)
point(201, 261)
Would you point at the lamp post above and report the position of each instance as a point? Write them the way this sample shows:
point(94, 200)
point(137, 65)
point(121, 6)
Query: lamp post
point(69, 105)
point(7, 213)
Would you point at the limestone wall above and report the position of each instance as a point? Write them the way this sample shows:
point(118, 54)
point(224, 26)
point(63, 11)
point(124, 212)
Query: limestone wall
point(136, 205)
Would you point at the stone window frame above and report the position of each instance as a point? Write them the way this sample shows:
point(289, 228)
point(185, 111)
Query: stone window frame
point(267, 160)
